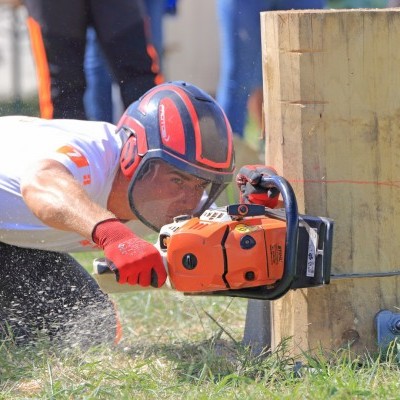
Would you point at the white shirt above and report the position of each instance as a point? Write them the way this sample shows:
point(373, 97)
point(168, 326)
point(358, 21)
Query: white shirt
point(89, 150)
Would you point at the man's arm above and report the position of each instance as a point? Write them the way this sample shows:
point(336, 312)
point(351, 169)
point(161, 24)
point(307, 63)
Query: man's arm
point(58, 200)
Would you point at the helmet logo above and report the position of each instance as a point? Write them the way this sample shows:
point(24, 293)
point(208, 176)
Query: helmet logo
point(170, 126)
point(163, 130)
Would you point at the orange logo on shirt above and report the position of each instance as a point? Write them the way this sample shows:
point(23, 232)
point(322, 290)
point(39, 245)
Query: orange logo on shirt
point(76, 156)
point(87, 179)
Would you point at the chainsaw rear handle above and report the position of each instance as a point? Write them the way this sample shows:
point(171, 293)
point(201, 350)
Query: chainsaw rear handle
point(105, 266)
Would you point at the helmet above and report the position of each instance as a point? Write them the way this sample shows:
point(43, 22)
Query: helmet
point(177, 127)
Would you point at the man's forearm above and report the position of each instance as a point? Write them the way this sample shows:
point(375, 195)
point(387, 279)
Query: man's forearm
point(59, 201)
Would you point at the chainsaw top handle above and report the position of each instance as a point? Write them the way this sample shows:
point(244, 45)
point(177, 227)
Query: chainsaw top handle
point(292, 229)
point(291, 242)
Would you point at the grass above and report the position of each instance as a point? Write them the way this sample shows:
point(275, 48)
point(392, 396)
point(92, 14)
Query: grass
point(182, 347)
point(172, 350)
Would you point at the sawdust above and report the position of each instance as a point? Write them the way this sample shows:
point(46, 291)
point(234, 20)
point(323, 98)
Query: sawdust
point(49, 296)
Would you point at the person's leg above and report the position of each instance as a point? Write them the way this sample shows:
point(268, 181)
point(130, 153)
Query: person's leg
point(98, 94)
point(49, 294)
point(240, 57)
point(58, 35)
point(125, 45)
point(253, 73)
point(155, 10)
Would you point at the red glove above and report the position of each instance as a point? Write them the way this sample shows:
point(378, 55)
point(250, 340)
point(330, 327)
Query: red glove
point(134, 260)
point(248, 180)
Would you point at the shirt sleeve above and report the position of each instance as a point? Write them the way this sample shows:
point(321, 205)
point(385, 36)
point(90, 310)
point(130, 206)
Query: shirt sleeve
point(89, 165)
point(89, 151)
point(76, 162)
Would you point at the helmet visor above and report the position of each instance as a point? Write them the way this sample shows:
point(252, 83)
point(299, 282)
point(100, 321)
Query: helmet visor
point(159, 192)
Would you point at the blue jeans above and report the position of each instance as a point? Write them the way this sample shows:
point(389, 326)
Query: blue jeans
point(241, 70)
point(97, 99)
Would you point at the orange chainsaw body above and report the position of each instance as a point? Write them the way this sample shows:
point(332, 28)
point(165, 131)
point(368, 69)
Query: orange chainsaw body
point(208, 255)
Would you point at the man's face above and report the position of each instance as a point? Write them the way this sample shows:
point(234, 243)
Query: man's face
point(163, 192)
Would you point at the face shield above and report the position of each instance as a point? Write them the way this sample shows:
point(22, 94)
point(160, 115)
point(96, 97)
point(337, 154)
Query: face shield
point(159, 192)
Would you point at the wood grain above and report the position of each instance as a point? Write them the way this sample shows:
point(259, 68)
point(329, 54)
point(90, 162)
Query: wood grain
point(332, 112)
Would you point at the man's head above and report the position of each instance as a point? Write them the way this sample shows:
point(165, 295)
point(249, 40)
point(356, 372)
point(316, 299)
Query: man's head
point(179, 150)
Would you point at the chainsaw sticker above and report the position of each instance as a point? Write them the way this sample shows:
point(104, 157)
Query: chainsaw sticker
point(276, 253)
point(312, 249)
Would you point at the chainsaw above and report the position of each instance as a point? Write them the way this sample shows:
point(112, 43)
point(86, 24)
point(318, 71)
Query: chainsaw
point(242, 250)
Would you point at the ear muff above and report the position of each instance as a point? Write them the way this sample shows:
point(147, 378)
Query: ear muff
point(130, 159)
point(135, 147)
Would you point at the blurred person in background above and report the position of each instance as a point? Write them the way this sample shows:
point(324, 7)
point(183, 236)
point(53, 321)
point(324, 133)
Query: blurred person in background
point(58, 32)
point(100, 100)
point(239, 90)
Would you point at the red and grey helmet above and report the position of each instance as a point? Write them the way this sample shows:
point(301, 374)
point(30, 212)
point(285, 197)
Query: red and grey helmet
point(179, 124)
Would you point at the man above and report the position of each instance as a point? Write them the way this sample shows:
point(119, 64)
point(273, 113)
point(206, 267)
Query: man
point(70, 185)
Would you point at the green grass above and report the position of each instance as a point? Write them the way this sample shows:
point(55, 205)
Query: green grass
point(182, 347)
point(357, 3)
point(164, 361)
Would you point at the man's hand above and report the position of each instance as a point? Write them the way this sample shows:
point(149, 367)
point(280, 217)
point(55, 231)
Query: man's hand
point(134, 260)
point(248, 180)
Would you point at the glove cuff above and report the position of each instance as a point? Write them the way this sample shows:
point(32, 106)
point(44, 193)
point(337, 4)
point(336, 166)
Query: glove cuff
point(109, 230)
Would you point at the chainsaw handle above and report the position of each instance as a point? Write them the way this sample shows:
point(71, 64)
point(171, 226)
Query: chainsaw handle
point(104, 266)
point(292, 228)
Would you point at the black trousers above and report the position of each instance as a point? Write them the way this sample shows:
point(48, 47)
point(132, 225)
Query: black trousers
point(58, 36)
point(49, 294)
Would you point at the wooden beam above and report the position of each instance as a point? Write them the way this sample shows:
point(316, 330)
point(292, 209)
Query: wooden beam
point(332, 112)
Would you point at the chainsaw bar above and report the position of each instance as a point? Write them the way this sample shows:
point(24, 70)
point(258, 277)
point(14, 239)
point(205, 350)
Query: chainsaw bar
point(335, 277)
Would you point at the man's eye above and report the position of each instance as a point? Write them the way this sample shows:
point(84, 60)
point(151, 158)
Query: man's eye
point(177, 181)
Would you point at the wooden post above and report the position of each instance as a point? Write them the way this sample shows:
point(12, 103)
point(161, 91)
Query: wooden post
point(332, 112)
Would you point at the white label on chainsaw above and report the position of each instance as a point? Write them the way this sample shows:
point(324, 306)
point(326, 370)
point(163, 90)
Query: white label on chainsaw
point(312, 249)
